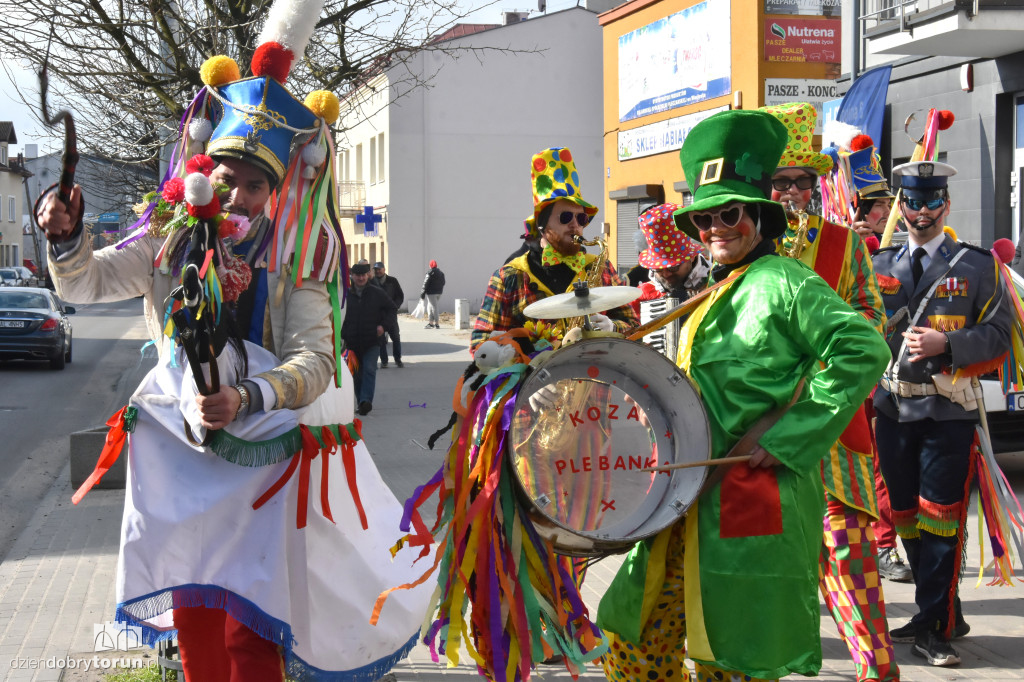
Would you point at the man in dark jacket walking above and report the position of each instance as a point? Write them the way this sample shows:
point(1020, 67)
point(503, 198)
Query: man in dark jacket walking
point(433, 285)
point(394, 291)
point(367, 311)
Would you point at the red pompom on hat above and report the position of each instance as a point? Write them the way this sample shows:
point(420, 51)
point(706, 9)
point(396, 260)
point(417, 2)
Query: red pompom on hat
point(946, 119)
point(861, 142)
point(274, 60)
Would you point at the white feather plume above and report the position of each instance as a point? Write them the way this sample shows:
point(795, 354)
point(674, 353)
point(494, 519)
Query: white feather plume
point(291, 23)
point(838, 134)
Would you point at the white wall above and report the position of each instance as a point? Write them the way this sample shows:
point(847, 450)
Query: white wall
point(459, 150)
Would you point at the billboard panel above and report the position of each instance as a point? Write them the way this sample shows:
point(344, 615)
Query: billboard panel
point(675, 61)
point(802, 40)
point(814, 8)
point(660, 137)
point(815, 91)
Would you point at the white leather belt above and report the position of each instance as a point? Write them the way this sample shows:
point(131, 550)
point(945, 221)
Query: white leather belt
point(907, 389)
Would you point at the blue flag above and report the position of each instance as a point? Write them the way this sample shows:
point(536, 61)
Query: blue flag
point(863, 104)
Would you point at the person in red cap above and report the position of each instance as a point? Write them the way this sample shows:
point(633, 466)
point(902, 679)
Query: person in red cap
point(676, 263)
point(433, 286)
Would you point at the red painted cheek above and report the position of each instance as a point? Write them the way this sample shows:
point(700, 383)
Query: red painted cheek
point(705, 236)
point(744, 229)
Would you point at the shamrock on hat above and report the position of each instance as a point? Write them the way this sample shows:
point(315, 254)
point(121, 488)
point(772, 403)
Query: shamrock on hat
point(731, 157)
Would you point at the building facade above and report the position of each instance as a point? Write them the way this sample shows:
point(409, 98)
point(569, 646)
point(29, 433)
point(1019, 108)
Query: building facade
point(439, 146)
point(669, 64)
point(12, 198)
point(967, 58)
point(110, 188)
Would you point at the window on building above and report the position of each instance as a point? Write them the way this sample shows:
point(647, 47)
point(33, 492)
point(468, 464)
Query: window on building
point(373, 161)
point(380, 157)
point(12, 208)
point(359, 163)
point(343, 165)
point(3, 154)
point(373, 253)
point(1, 209)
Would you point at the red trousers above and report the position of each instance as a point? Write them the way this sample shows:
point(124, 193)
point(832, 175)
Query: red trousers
point(214, 647)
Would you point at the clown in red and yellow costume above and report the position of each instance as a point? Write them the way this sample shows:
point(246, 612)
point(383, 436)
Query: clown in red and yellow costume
point(850, 582)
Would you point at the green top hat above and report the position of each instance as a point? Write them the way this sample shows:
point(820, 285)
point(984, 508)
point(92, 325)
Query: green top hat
point(730, 157)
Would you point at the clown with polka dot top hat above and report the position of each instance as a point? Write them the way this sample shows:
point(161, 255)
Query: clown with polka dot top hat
point(552, 258)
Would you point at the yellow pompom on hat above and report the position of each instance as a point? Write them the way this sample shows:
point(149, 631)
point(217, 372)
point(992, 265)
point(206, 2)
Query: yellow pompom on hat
point(324, 104)
point(219, 70)
point(800, 119)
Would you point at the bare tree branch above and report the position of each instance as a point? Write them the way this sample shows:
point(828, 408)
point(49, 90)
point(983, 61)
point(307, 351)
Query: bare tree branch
point(127, 68)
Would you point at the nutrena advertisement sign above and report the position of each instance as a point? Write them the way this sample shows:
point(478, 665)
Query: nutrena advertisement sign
point(675, 61)
point(802, 40)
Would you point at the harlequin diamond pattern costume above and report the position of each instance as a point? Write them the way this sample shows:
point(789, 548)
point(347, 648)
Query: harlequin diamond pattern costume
point(850, 583)
point(266, 543)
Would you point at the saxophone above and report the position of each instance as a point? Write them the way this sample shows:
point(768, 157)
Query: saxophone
point(799, 241)
point(550, 430)
point(591, 279)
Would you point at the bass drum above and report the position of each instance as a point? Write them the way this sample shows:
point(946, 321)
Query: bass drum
point(601, 410)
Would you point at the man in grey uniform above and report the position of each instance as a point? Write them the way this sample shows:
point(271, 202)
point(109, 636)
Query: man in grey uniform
point(950, 320)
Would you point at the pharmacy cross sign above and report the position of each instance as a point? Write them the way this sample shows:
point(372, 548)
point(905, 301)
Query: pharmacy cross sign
point(369, 220)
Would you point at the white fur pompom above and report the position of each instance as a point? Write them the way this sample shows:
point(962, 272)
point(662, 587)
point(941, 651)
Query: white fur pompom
point(839, 134)
point(198, 190)
point(197, 148)
point(314, 155)
point(291, 23)
point(309, 172)
point(200, 129)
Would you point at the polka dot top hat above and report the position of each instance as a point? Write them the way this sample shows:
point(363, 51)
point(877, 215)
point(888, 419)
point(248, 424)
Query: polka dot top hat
point(553, 176)
point(667, 247)
point(800, 119)
point(730, 157)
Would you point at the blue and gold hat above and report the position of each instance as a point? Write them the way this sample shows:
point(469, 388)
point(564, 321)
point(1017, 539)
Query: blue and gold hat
point(256, 121)
point(867, 174)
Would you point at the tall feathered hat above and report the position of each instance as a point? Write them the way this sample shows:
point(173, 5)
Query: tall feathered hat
point(259, 121)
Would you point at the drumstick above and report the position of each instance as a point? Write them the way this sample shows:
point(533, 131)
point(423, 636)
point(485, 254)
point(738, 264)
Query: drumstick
point(705, 463)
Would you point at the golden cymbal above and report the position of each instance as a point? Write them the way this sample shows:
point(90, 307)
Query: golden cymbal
point(584, 302)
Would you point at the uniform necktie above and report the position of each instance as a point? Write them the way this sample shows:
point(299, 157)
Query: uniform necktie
point(916, 266)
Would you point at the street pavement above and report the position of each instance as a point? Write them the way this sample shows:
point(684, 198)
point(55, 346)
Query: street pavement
point(57, 580)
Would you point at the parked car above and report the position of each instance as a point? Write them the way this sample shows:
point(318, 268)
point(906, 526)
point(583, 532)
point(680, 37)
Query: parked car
point(27, 275)
point(10, 277)
point(34, 326)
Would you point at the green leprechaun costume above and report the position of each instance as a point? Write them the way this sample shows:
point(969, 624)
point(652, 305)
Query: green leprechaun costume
point(743, 597)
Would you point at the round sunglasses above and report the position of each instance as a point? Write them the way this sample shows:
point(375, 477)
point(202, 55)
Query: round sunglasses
point(916, 204)
point(582, 219)
point(730, 217)
point(804, 182)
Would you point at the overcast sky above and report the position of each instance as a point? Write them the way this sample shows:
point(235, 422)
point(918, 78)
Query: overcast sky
point(29, 131)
